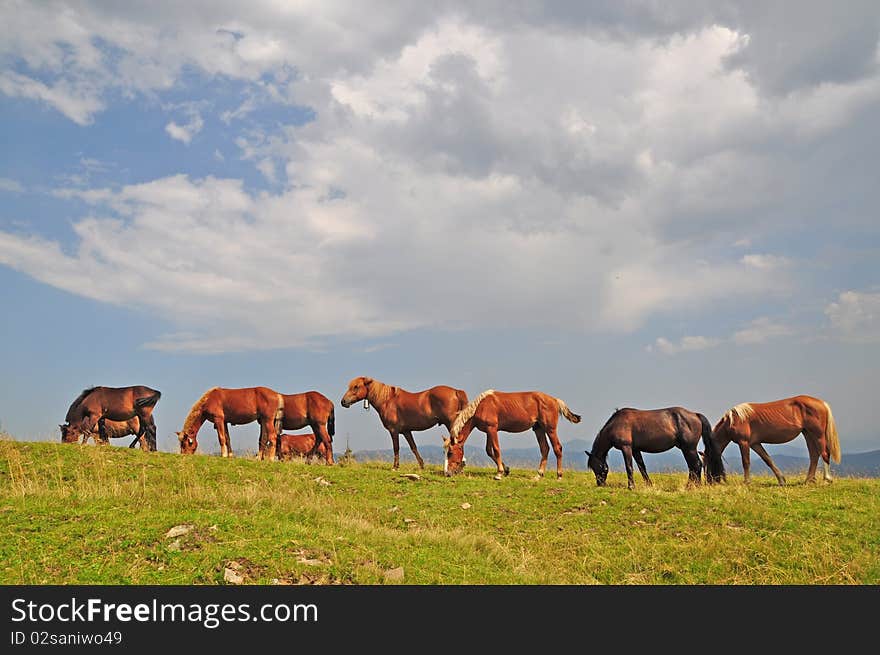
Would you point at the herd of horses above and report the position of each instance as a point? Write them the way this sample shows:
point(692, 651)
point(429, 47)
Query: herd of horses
point(102, 413)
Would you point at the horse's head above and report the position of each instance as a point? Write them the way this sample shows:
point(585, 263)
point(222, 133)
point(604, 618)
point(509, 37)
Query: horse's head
point(188, 444)
point(454, 460)
point(69, 434)
point(358, 389)
point(598, 466)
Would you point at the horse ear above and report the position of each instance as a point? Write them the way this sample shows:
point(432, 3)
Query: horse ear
point(446, 443)
point(589, 454)
point(368, 380)
point(179, 436)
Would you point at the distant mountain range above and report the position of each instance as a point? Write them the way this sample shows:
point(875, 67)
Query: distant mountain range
point(865, 464)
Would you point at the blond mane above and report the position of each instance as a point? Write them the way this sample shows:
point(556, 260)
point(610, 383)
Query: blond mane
point(378, 393)
point(465, 414)
point(742, 412)
point(196, 411)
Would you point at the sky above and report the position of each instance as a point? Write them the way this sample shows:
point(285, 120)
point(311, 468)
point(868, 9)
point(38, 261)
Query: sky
point(621, 204)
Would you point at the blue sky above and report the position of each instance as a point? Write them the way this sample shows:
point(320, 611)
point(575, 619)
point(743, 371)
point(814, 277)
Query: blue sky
point(640, 205)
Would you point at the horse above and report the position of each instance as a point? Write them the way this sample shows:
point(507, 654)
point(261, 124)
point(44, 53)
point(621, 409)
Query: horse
point(119, 429)
point(306, 445)
point(314, 410)
point(234, 406)
point(776, 422)
point(404, 412)
point(95, 405)
point(492, 411)
point(634, 431)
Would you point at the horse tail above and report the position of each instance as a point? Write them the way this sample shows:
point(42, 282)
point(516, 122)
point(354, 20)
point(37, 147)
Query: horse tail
point(148, 401)
point(566, 412)
point(714, 464)
point(331, 422)
point(831, 435)
point(462, 398)
point(468, 412)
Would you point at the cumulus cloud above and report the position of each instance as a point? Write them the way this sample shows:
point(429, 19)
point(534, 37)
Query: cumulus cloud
point(758, 331)
point(547, 165)
point(855, 315)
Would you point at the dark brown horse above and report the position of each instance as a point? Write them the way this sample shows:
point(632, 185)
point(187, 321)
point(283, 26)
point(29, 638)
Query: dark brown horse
point(492, 411)
point(119, 429)
point(97, 404)
point(751, 424)
point(404, 412)
point(634, 431)
point(314, 410)
point(236, 407)
point(308, 445)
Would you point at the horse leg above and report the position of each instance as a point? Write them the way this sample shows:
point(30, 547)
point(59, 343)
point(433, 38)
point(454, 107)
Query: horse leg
point(813, 449)
point(637, 455)
point(821, 446)
point(628, 464)
point(322, 436)
point(557, 450)
point(271, 439)
point(492, 437)
point(695, 467)
point(744, 453)
point(758, 448)
point(544, 445)
point(220, 427)
point(412, 447)
point(103, 439)
point(395, 443)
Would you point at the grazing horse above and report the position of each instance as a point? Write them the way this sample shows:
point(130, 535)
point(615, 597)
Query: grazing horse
point(119, 429)
point(97, 404)
point(776, 422)
point(314, 410)
point(634, 431)
point(234, 406)
point(492, 411)
point(305, 445)
point(404, 412)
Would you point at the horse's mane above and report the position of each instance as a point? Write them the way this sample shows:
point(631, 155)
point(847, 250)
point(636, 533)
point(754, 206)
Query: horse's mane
point(742, 412)
point(196, 411)
point(379, 392)
point(465, 414)
point(610, 418)
point(76, 403)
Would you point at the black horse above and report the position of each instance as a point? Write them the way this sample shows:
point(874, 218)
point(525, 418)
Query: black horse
point(634, 431)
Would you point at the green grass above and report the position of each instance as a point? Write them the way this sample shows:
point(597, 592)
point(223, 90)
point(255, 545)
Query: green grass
point(90, 515)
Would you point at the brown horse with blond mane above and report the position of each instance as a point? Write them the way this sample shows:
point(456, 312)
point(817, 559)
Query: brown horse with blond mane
point(780, 421)
point(306, 445)
point(492, 411)
point(119, 429)
point(237, 407)
point(404, 412)
point(96, 404)
point(314, 410)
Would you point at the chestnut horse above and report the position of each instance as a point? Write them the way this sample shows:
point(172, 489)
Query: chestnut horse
point(780, 421)
point(634, 431)
point(305, 445)
point(234, 406)
point(492, 411)
point(96, 404)
point(404, 412)
point(314, 410)
point(117, 430)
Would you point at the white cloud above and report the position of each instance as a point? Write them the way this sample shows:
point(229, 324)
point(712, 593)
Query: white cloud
point(855, 315)
point(757, 331)
point(766, 262)
point(185, 133)
point(761, 330)
point(12, 186)
point(688, 343)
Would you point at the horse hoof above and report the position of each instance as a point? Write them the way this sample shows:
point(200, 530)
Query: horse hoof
point(559, 476)
point(506, 470)
point(498, 476)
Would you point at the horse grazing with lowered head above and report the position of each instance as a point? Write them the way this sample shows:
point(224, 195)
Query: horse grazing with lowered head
point(404, 412)
point(492, 411)
point(96, 405)
point(634, 431)
point(308, 445)
point(780, 421)
point(236, 407)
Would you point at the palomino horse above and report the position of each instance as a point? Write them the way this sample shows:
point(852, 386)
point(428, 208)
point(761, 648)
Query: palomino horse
point(97, 404)
point(634, 431)
point(404, 412)
point(780, 421)
point(119, 429)
point(492, 411)
point(236, 407)
point(291, 446)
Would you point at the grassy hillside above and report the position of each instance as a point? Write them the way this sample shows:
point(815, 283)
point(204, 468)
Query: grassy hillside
point(71, 514)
